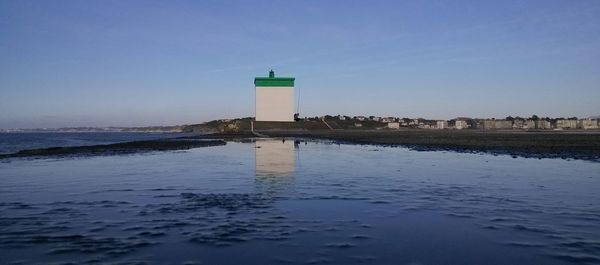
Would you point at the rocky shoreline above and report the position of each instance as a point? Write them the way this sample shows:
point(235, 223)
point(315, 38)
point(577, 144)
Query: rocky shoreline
point(565, 145)
point(581, 146)
point(116, 148)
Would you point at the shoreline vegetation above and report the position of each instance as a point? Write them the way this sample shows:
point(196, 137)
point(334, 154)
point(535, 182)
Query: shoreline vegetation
point(565, 144)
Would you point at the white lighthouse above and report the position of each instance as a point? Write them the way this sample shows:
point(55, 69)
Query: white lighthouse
point(274, 98)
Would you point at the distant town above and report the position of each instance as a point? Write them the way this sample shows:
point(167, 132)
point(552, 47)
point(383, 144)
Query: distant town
point(509, 123)
point(359, 122)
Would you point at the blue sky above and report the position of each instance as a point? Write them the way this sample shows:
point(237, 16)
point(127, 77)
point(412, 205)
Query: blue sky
point(135, 63)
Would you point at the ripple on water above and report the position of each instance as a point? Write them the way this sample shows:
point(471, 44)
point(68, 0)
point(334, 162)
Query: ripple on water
point(340, 245)
point(346, 211)
point(576, 258)
point(222, 219)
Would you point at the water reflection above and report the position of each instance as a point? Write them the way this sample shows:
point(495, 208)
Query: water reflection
point(275, 158)
point(348, 209)
point(275, 166)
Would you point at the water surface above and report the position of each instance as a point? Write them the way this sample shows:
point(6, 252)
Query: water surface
point(13, 142)
point(286, 202)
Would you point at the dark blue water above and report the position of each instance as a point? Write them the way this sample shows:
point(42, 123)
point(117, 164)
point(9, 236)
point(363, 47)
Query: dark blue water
point(275, 202)
point(13, 142)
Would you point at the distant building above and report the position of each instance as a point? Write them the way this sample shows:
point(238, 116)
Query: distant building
point(529, 125)
point(542, 125)
point(519, 124)
point(357, 125)
point(461, 124)
point(589, 124)
point(441, 125)
point(489, 124)
point(360, 118)
point(566, 124)
point(497, 124)
point(393, 125)
point(504, 124)
point(274, 98)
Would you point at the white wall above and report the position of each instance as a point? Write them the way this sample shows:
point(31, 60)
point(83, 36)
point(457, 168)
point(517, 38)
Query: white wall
point(274, 104)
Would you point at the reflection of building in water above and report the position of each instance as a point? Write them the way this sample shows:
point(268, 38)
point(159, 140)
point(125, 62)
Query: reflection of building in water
point(275, 158)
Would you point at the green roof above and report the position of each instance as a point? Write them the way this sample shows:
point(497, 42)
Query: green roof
point(274, 81)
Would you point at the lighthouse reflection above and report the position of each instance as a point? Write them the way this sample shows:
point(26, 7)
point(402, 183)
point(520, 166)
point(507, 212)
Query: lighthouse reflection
point(275, 158)
point(275, 164)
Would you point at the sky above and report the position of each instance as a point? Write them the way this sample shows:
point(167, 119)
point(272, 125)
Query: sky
point(139, 63)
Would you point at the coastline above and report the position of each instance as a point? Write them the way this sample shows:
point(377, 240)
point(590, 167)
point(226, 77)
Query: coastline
point(121, 148)
point(580, 145)
point(555, 144)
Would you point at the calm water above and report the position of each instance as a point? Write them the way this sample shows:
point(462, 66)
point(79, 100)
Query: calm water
point(275, 202)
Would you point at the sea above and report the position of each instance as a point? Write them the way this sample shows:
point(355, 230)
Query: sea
point(293, 201)
point(13, 142)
